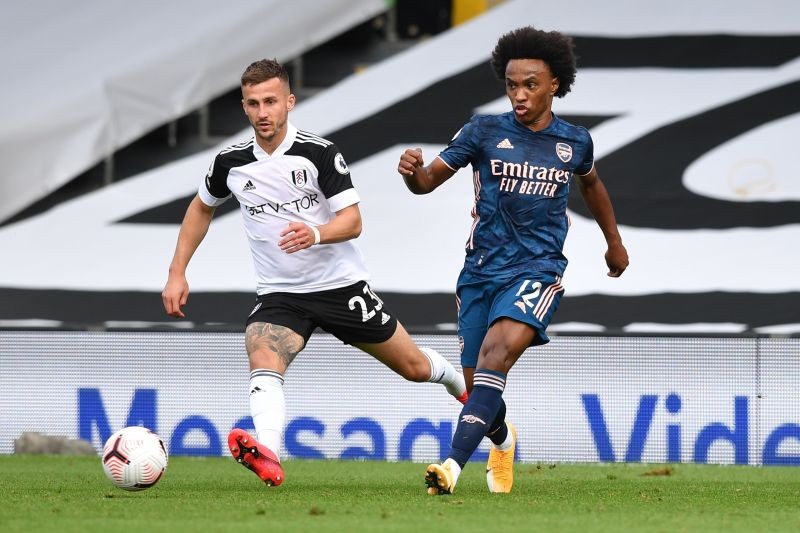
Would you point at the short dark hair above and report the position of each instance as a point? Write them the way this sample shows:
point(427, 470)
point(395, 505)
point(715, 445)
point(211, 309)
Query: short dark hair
point(554, 48)
point(263, 70)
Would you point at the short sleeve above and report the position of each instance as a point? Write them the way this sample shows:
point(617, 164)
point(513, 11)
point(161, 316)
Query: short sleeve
point(588, 159)
point(214, 189)
point(334, 179)
point(462, 148)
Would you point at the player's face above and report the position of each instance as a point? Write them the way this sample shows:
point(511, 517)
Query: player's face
point(267, 105)
point(530, 86)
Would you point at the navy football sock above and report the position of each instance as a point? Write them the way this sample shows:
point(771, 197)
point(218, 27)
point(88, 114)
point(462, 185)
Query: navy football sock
point(498, 431)
point(478, 414)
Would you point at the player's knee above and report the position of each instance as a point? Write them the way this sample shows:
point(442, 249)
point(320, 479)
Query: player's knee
point(267, 359)
point(496, 356)
point(417, 370)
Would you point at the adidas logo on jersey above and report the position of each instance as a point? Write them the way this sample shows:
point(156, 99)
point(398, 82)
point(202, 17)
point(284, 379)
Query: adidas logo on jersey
point(248, 186)
point(505, 143)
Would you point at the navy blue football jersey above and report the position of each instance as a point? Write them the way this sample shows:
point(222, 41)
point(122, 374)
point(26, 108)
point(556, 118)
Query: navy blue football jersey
point(521, 179)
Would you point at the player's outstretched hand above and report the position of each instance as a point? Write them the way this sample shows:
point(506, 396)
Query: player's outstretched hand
point(410, 161)
point(296, 236)
point(175, 295)
point(616, 259)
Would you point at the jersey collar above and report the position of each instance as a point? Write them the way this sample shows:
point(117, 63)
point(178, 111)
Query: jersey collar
point(522, 126)
point(288, 141)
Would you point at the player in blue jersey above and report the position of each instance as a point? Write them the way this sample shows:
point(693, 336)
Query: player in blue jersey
point(523, 162)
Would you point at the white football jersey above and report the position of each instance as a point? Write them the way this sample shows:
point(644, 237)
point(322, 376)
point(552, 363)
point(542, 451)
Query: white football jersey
point(304, 180)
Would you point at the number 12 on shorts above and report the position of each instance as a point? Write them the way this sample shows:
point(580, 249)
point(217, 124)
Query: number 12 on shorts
point(526, 301)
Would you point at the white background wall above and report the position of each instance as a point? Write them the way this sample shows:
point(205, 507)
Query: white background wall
point(205, 375)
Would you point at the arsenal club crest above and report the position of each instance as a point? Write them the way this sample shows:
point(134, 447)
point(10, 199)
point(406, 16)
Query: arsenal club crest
point(564, 152)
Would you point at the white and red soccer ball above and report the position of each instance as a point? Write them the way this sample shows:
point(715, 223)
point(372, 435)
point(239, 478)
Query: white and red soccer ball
point(134, 458)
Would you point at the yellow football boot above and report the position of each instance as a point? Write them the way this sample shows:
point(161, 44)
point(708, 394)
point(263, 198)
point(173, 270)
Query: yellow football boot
point(500, 467)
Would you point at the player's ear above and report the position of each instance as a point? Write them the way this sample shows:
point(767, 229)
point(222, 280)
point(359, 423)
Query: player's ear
point(554, 85)
point(290, 102)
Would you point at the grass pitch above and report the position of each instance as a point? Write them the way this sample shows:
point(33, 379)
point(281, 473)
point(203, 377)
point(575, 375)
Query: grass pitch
point(40, 493)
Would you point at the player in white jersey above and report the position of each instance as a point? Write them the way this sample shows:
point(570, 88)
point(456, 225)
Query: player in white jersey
point(300, 214)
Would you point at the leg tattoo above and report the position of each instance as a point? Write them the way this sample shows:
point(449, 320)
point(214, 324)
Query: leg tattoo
point(277, 339)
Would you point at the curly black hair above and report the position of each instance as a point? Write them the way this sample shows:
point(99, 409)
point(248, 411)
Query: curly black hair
point(554, 48)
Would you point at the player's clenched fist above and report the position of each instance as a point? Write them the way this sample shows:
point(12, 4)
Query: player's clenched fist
point(410, 161)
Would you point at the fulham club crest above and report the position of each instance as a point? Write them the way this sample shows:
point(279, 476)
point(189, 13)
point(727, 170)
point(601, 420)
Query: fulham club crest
point(299, 178)
point(564, 152)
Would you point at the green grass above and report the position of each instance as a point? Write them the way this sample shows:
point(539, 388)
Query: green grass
point(40, 493)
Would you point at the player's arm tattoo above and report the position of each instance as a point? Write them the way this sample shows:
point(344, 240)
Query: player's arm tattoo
point(278, 339)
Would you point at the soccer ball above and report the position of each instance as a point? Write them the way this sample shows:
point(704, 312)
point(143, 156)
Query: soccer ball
point(134, 458)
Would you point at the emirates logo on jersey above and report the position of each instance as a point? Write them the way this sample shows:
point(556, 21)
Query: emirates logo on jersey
point(564, 152)
point(299, 177)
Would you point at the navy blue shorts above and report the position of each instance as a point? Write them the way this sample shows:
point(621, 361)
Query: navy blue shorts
point(528, 297)
point(353, 314)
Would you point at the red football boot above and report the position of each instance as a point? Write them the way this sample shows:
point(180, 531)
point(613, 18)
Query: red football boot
point(463, 398)
point(255, 456)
